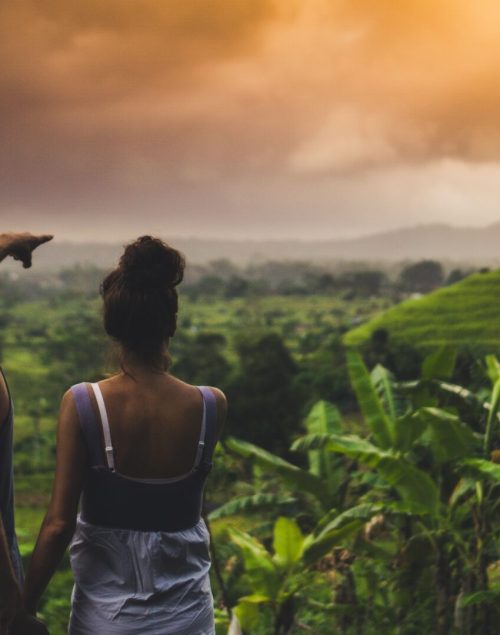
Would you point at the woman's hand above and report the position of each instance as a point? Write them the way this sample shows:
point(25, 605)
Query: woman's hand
point(20, 245)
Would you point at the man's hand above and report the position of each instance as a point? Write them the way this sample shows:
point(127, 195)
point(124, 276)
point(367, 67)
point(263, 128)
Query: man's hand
point(25, 624)
point(21, 246)
point(11, 603)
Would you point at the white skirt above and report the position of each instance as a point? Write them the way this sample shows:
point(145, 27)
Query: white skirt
point(141, 583)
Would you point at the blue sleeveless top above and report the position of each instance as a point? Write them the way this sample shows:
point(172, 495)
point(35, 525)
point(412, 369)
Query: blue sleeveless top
point(7, 486)
point(111, 499)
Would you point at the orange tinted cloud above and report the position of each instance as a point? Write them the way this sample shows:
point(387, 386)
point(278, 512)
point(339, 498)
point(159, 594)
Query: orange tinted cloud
point(105, 104)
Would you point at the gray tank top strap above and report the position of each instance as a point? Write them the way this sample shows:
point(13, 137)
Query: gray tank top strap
point(88, 423)
point(210, 437)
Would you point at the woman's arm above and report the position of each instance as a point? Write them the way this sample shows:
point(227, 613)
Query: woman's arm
point(59, 523)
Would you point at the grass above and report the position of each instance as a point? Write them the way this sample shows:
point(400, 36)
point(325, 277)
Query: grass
point(464, 313)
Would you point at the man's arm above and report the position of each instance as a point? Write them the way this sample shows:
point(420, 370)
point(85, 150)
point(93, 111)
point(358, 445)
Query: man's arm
point(10, 596)
point(10, 599)
point(20, 245)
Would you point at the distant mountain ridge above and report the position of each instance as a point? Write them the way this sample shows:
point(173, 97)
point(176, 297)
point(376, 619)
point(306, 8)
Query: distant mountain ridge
point(439, 241)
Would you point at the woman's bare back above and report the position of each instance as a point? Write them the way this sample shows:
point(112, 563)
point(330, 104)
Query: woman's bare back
point(155, 423)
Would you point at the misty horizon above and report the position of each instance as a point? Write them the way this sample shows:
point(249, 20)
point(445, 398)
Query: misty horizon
point(463, 245)
point(99, 237)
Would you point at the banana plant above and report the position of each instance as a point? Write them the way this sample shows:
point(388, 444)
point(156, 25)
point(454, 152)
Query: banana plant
point(415, 453)
point(323, 478)
point(277, 577)
point(420, 468)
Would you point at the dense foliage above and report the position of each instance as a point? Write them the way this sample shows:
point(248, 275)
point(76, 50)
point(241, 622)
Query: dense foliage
point(353, 494)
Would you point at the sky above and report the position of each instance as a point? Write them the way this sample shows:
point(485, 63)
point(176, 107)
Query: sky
point(248, 119)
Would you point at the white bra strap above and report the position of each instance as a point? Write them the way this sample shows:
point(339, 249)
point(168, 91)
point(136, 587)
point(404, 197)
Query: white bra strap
point(108, 446)
point(201, 442)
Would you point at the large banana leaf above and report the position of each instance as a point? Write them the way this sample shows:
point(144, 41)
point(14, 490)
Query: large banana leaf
point(336, 530)
point(412, 484)
point(335, 520)
point(464, 395)
point(288, 542)
point(386, 389)
point(482, 467)
point(243, 504)
point(493, 368)
point(324, 418)
point(435, 386)
point(246, 615)
point(492, 416)
point(448, 437)
point(462, 489)
point(453, 393)
point(407, 430)
point(316, 547)
point(371, 407)
point(258, 563)
point(440, 364)
point(296, 477)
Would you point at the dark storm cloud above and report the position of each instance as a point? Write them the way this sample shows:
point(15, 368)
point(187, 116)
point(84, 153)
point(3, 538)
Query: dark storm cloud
point(204, 106)
point(97, 97)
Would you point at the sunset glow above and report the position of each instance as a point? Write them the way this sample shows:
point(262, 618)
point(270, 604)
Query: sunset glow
point(282, 118)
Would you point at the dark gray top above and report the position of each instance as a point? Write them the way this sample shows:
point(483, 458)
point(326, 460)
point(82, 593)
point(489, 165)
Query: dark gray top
point(7, 487)
point(111, 499)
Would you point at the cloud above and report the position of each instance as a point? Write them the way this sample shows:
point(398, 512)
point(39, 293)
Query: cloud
point(116, 104)
point(407, 82)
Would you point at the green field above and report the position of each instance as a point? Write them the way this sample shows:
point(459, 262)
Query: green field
point(464, 314)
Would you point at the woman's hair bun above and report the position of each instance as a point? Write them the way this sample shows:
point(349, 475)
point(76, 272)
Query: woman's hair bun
point(149, 263)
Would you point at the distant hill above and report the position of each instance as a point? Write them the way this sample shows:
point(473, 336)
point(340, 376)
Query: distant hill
point(442, 242)
point(466, 312)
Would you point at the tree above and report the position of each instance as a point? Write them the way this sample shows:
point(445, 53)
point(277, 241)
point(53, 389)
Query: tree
point(363, 283)
point(200, 359)
point(266, 404)
point(455, 275)
point(422, 277)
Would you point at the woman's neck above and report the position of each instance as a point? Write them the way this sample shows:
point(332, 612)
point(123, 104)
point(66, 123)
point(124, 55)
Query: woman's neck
point(137, 368)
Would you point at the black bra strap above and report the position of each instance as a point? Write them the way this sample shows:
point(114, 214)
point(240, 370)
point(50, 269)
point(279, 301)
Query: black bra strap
point(88, 423)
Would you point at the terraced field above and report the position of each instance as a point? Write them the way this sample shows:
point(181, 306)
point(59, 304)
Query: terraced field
point(466, 313)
